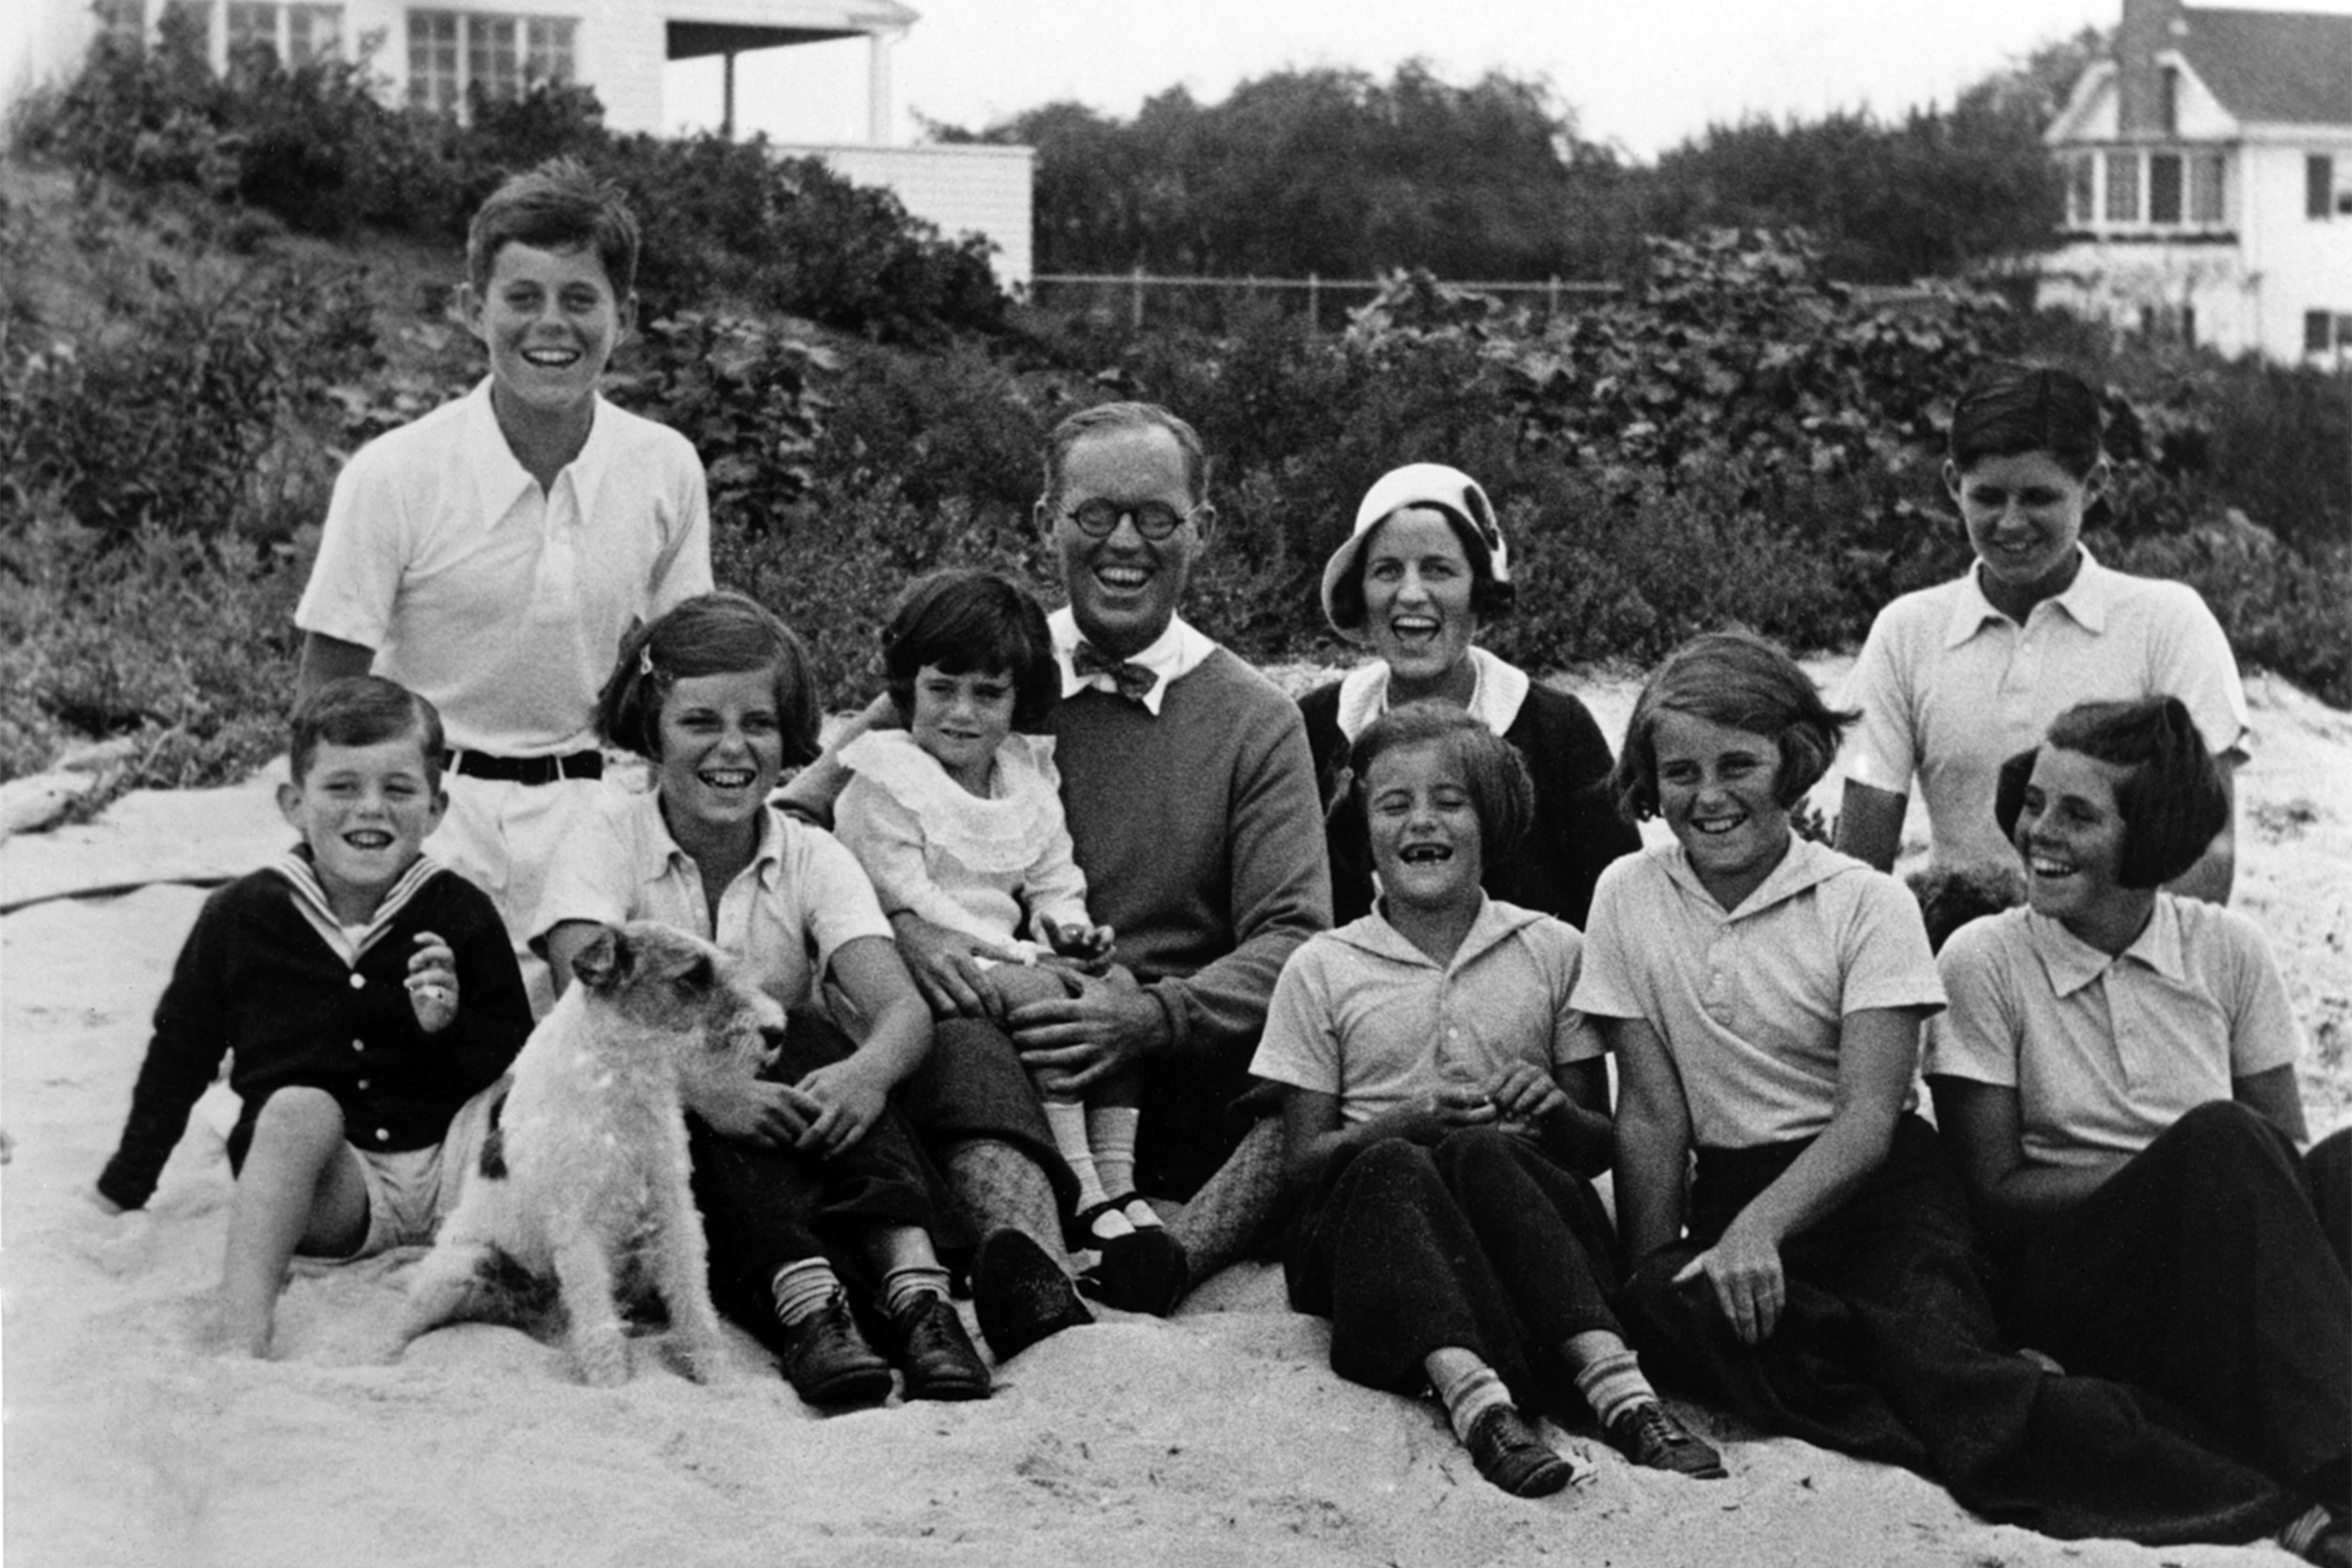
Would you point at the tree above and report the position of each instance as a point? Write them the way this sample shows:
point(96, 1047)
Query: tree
point(1326, 171)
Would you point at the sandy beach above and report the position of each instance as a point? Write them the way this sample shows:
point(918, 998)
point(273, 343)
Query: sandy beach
point(1218, 1437)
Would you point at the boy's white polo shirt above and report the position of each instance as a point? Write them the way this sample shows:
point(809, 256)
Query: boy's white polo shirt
point(1949, 688)
point(2107, 1052)
point(1752, 1002)
point(1363, 1014)
point(505, 604)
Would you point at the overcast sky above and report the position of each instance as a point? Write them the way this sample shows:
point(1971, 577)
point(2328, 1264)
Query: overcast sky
point(1644, 75)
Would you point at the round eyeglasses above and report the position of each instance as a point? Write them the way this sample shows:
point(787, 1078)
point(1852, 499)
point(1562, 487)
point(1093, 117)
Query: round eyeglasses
point(1154, 521)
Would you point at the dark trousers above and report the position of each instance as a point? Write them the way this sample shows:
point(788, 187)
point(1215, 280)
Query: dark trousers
point(1887, 1349)
point(972, 1086)
point(1480, 1243)
point(764, 1208)
point(2203, 1272)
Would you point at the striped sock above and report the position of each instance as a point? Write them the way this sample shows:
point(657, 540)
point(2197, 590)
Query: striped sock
point(1466, 1384)
point(1614, 1384)
point(800, 1289)
point(902, 1287)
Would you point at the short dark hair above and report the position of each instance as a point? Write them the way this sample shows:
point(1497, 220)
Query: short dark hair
point(1739, 680)
point(1490, 600)
point(362, 710)
point(711, 634)
point(971, 621)
point(2010, 409)
point(557, 205)
point(1497, 780)
point(1103, 417)
point(2172, 797)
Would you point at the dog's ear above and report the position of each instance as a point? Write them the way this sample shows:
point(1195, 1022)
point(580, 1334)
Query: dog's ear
point(600, 964)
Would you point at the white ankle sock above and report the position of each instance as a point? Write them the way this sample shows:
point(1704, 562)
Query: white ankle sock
point(1066, 1119)
point(1111, 1131)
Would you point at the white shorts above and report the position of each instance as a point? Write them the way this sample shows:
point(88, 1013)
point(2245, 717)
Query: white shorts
point(502, 837)
point(411, 1193)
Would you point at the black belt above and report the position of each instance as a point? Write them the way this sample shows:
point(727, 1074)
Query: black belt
point(525, 770)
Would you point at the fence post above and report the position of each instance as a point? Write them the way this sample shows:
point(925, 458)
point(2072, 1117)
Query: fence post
point(1551, 299)
point(1314, 303)
point(1134, 307)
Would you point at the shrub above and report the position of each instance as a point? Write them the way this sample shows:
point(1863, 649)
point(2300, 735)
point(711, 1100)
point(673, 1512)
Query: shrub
point(188, 643)
point(192, 416)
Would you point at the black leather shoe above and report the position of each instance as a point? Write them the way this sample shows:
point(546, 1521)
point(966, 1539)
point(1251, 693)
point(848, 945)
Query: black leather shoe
point(1146, 1271)
point(1021, 1296)
point(1509, 1453)
point(935, 1353)
point(1650, 1435)
point(828, 1361)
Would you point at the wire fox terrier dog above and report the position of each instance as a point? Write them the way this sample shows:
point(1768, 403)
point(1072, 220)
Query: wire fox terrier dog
point(585, 1174)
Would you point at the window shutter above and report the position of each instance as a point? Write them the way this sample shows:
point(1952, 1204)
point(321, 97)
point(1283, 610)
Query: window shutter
point(2319, 186)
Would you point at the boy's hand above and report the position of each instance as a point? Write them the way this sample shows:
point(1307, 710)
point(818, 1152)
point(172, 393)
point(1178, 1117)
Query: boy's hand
point(1090, 946)
point(433, 983)
point(1525, 1094)
point(753, 1110)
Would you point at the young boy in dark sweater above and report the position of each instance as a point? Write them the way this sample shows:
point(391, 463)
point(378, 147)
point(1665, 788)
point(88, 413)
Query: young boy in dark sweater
point(370, 999)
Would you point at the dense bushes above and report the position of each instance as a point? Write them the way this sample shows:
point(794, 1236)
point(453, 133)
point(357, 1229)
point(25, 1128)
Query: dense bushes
point(315, 149)
point(1734, 439)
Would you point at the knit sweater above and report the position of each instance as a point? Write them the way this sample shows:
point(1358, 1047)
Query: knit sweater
point(1198, 829)
point(1576, 833)
point(254, 977)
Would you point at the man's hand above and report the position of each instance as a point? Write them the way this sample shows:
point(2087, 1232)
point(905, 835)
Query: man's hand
point(849, 1104)
point(1070, 1043)
point(755, 1111)
point(433, 983)
point(940, 963)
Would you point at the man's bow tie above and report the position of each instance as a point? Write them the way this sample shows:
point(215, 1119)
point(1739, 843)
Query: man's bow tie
point(1134, 681)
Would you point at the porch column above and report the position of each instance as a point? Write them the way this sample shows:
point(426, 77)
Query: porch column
point(878, 104)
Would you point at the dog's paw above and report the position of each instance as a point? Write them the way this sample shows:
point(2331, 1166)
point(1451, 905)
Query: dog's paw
point(603, 1362)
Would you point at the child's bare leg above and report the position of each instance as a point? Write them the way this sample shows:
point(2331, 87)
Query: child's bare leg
point(301, 1190)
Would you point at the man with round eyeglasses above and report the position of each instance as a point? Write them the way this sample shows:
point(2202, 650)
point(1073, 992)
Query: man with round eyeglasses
point(1192, 808)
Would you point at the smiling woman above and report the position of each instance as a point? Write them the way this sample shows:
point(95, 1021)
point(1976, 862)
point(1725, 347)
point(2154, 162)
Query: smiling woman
point(1424, 568)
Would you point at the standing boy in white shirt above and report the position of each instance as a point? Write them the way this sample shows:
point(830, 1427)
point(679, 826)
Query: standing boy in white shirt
point(491, 555)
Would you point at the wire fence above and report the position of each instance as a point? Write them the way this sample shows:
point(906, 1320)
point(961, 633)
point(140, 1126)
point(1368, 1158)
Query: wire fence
point(1160, 299)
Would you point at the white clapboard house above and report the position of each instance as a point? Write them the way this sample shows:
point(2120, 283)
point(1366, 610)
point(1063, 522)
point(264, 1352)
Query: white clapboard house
point(2208, 168)
point(433, 53)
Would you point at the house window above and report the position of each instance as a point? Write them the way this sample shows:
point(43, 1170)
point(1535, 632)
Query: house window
point(2123, 187)
point(122, 23)
point(2207, 175)
point(188, 24)
point(433, 74)
point(252, 23)
point(2082, 196)
point(2319, 186)
point(501, 57)
point(314, 33)
point(2164, 188)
